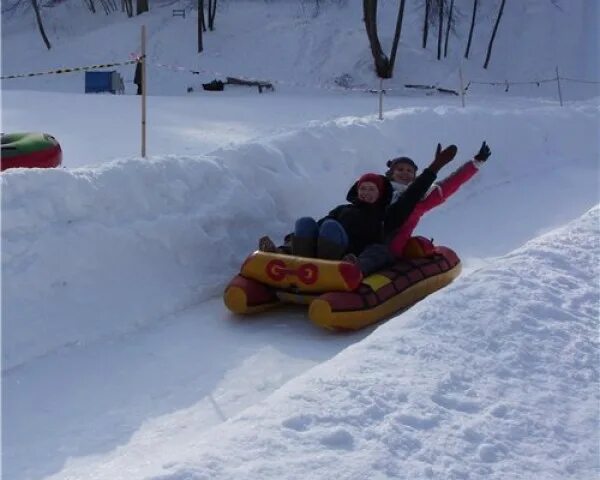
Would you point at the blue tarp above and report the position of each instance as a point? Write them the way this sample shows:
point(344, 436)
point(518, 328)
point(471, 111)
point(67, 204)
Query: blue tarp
point(101, 82)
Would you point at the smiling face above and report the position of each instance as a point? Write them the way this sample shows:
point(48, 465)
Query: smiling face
point(403, 173)
point(368, 192)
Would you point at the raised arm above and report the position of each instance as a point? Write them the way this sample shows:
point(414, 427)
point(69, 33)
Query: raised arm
point(401, 209)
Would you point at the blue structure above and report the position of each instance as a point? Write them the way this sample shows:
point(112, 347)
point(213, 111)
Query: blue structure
point(96, 82)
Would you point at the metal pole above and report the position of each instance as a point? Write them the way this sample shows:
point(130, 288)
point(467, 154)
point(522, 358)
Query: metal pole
point(143, 91)
point(381, 99)
point(559, 90)
point(462, 85)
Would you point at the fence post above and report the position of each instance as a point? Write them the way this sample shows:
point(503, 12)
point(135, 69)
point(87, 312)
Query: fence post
point(144, 91)
point(559, 90)
point(462, 85)
point(381, 99)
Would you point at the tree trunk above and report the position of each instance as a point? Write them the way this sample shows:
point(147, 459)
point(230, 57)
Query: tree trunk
point(201, 26)
point(112, 5)
point(448, 28)
point(426, 23)
point(141, 6)
point(440, 28)
point(489, 50)
point(90, 5)
point(38, 19)
point(396, 36)
point(129, 8)
point(212, 11)
point(370, 17)
point(383, 66)
point(471, 29)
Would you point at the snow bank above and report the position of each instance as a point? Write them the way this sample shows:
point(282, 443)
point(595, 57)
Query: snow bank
point(94, 252)
point(497, 376)
point(494, 377)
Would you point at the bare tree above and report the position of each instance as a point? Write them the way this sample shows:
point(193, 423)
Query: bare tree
point(110, 6)
point(201, 25)
point(141, 6)
point(90, 5)
point(212, 11)
point(440, 27)
point(489, 50)
point(128, 7)
point(426, 23)
point(448, 28)
point(370, 19)
point(471, 29)
point(396, 41)
point(383, 65)
point(38, 19)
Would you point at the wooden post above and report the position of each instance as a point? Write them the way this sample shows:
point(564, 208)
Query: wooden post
point(559, 90)
point(462, 85)
point(144, 91)
point(381, 99)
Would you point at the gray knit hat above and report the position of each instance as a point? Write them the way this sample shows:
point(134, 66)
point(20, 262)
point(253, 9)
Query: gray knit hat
point(391, 164)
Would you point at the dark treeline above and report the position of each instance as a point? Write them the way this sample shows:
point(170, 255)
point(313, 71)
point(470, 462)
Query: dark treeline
point(441, 18)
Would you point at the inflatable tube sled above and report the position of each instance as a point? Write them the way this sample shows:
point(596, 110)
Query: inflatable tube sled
point(337, 295)
point(30, 150)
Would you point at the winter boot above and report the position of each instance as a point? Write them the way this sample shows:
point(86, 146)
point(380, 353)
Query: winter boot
point(265, 244)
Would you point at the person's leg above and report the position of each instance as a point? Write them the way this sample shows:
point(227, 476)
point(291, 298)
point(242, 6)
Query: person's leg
point(332, 243)
point(372, 259)
point(304, 241)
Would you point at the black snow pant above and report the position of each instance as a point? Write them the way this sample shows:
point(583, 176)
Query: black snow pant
point(374, 258)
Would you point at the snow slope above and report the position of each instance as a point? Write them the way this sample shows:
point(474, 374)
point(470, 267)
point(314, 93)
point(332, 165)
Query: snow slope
point(146, 238)
point(288, 43)
point(113, 344)
point(118, 357)
point(494, 377)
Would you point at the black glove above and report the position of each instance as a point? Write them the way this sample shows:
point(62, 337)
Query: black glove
point(484, 153)
point(446, 155)
point(442, 157)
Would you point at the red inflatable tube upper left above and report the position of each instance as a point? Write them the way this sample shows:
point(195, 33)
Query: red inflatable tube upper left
point(30, 150)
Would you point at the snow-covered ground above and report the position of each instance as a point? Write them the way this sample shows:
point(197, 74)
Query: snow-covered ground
point(495, 377)
point(120, 361)
point(285, 42)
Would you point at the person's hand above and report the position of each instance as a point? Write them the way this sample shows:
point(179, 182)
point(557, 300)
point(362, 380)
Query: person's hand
point(484, 153)
point(442, 157)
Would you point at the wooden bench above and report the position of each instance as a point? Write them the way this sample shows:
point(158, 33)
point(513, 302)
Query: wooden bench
point(179, 12)
point(251, 83)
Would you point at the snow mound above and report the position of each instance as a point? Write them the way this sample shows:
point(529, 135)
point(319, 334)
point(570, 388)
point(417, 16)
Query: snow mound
point(494, 377)
point(509, 366)
point(96, 252)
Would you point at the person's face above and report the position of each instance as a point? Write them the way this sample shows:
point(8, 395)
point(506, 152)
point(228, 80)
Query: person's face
point(367, 192)
point(403, 173)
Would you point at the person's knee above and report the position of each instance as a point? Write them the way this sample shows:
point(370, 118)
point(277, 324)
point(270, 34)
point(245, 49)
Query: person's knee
point(334, 231)
point(306, 227)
